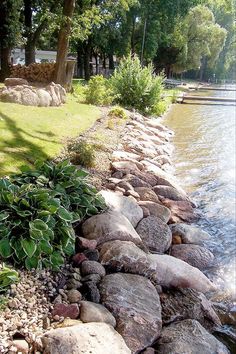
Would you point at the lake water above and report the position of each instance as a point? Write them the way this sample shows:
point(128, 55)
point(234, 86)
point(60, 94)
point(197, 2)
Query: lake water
point(204, 161)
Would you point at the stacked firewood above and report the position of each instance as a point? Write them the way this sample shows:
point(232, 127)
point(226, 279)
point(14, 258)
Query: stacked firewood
point(36, 72)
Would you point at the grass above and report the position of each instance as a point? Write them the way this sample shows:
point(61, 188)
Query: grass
point(31, 133)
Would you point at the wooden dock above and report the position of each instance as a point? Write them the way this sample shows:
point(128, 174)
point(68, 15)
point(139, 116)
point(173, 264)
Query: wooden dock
point(210, 88)
point(186, 97)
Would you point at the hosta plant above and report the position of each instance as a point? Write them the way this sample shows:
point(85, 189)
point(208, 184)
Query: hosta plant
point(8, 276)
point(37, 212)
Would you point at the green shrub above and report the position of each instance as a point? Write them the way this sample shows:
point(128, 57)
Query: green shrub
point(79, 89)
point(8, 276)
point(81, 153)
point(135, 86)
point(160, 107)
point(98, 91)
point(37, 211)
point(117, 112)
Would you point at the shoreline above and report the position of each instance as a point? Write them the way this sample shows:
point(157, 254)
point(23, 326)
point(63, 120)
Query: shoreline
point(121, 247)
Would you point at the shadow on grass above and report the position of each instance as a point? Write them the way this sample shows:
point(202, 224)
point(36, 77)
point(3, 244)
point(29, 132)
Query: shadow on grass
point(31, 152)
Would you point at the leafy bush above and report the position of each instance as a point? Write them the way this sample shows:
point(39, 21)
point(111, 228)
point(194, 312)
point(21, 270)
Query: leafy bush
point(81, 153)
point(161, 107)
point(135, 86)
point(98, 91)
point(117, 112)
point(37, 210)
point(79, 90)
point(8, 276)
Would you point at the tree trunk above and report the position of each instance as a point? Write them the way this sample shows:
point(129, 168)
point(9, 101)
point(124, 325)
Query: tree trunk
point(63, 42)
point(29, 52)
point(111, 62)
point(80, 60)
point(133, 36)
point(87, 57)
point(5, 55)
point(29, 46)
point(203, 69)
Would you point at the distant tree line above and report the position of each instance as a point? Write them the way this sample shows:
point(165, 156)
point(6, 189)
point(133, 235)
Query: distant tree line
point(176, 36)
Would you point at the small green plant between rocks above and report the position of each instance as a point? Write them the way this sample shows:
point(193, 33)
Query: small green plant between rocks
point(37, 211)
point(117, 112)
point(8, 276)
point(81, 153)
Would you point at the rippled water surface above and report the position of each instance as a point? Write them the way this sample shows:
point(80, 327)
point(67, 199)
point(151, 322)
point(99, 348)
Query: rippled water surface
point(204, 160)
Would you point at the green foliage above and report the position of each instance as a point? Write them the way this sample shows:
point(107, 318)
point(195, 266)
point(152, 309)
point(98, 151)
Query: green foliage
point(135, 86)
point(8, 276)
point(82, 153)
point(117, 112)
point(79, 89)
point(98, 91)
point(161, 107)
point(37, 211)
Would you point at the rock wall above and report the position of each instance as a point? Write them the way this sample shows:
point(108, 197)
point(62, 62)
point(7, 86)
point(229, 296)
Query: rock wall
point(19, 91)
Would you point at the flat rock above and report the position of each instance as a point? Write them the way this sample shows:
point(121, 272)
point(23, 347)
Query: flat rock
point(92, 267)
point(134, 302)
point(124, 205)
point(170, 193)
point(14, 81)
point(146, 177)
point(195, 255)
point(126, 166)
point(110, 226)
point(155, 234)
point(181, 304)
point(181, 211)
point(63, 310)
point(123, 155)
point(147, 194)
point(87, 338)
point(91, 312)
point(136, 181)
point(188, 233)
point(173, 272)
point(189, 336)
point(157, 210)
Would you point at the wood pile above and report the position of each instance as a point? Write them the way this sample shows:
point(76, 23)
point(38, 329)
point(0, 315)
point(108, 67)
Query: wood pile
point(36, 72)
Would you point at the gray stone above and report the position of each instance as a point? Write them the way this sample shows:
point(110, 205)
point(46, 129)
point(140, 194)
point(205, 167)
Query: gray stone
point(157, 210)
point(136, 181)
point(91, 312)
point(155, 234)
point(92, 267)
point(124, 166)
point(74, 296)
point(170, 193)
point(181, 211)
point(110, 226)
point(45, 99)
point(188, 233)
point(134, 302)
point(195, 255)
point(187, 337)
point(124, 205)
point(14, 81)
point(86, 338)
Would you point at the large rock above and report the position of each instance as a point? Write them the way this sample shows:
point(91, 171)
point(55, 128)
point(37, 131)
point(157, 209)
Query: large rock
point(146, 177)
point(123, 155)
point(92, 267)
point(187, 337)
point(29, 97)
point(125, 166)
point(157, 210)
point(91, 312)
point(195, 255)
point(155, 234)
point(126, 257)
point(188, 234)
point(136, 181)
point(173, 272)
point(89, 338)
point(184, 304)
point(124, 205)
point(170, 193)
point(110, 226)
point(45, 98)
point(147, 194)
point(134, 302)
point(161, 269)
point(181, 211)
point(15, 81)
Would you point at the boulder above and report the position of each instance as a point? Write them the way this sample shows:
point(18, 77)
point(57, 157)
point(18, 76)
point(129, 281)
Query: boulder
point(124, 205)
point(147, 194)
point(189, 336)
point(29, 97)
point(173, 272)
point(134, 302)
point(155, 234)
point(63, 310)
point(146, 177)
point(110, 226)
point(188, 233)
point(126, 257)
point(181, 304)
point(45, 99)
point(181, 211)
point(195, 255)
point(15, 81)
point(91, 291)
point(91, 312)
point(86, 338)
point(74, 296)
point(170, 193)
point(92, 267)
point(84, 243)
point(124, 166)
point(123, 155)
point(135, 181)
point(157, 210)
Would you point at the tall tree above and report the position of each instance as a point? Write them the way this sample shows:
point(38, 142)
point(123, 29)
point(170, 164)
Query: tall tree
point(9, 32)
point(63, 42)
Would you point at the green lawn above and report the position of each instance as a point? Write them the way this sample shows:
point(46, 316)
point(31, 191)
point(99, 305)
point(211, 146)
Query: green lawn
point(31, 133)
